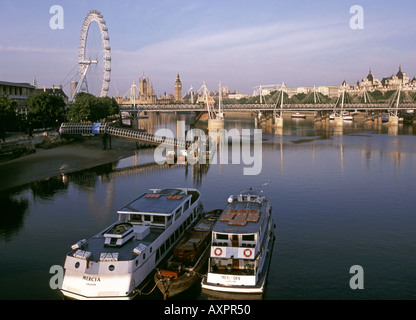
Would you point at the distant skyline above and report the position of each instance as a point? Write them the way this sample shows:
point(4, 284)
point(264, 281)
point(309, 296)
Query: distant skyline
point(241, 44)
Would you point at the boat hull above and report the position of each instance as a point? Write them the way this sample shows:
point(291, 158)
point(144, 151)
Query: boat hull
point(241, 292)
point(170, 280)
point(119, 263)
point(171, 287)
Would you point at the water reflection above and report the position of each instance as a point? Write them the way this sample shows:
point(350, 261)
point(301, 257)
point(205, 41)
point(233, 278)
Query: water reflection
point(13, 212)
point(329, 189)
point(46, 189)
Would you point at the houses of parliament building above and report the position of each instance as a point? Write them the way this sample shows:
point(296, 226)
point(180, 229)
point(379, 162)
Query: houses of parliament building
point(145, 93)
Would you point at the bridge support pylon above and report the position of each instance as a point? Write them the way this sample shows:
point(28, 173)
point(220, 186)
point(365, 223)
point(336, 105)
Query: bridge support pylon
point(393, 120)
point(134, 120)
point(339, 121)
point(278, 122)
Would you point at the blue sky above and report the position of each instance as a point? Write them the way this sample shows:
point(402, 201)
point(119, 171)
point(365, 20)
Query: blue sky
point(240, 43)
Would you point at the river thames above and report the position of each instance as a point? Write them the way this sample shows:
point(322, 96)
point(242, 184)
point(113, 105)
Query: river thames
point(339, 199)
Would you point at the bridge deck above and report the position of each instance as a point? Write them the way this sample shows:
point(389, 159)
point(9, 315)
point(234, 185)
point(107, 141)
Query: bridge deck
point(266, 107)
point(104, 129)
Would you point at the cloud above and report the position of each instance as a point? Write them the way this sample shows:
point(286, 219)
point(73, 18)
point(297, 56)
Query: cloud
point(242, 56)
point(27, 49)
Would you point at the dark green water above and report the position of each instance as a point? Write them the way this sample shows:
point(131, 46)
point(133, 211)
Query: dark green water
point(338, 200)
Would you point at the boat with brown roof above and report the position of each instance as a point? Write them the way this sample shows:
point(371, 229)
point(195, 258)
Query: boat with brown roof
point(189, 256)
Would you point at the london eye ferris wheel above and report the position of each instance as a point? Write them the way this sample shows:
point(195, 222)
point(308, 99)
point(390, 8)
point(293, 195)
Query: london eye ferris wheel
point(94, 57)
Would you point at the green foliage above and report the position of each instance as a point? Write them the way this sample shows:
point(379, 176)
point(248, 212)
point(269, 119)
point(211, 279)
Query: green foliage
point(90, 108)
point(46, 109)
point(8, 117)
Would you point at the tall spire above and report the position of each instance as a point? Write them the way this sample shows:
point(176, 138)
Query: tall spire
point(400, 73)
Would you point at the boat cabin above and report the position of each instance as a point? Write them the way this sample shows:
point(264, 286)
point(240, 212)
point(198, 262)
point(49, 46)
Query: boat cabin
point(158, 209)
point(239, 232)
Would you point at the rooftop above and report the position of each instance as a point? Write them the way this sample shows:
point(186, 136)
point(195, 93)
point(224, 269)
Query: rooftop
point(161, 201)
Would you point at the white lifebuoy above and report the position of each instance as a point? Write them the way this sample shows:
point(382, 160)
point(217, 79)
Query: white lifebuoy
point(218, 252)
point(247, 253)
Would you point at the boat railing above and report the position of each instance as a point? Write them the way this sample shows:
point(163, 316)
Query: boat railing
point(229, 244)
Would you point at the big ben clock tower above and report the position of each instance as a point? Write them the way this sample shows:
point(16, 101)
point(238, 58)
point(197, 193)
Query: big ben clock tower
point(178, 89)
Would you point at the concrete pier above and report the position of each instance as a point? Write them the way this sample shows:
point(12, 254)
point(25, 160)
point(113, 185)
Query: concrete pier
point(393, 120)
point(278, 122)
point(339, 121)
point(215, 124)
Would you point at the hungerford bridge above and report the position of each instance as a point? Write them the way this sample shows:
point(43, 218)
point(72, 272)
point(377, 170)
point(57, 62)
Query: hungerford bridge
point(266, 107)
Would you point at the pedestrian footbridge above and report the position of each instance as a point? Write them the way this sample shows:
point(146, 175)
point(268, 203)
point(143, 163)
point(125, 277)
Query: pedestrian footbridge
point(106, 130)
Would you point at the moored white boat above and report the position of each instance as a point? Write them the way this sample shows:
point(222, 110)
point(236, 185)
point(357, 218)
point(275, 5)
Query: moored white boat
point(119, 261)
point(182, 157)
point(170, 157)
point(347, 116)
point(298, 115)
point(241, 249)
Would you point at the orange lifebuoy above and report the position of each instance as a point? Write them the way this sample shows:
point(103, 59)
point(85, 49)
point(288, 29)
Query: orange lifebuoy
point(247, 253)
point(218, 251)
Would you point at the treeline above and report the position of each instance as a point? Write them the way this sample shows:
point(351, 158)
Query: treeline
point(46, 110)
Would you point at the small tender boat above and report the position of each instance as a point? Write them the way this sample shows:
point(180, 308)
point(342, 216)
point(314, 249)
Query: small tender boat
point(170, 157)
point(182, 157)
point(119, 261)
point(189, 256)
point(298, 115)
point(347, 116)
point(241, 249)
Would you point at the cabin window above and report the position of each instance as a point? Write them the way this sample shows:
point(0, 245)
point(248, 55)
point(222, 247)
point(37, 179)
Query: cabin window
point(159, 219)
point(157, 254)
point(248, 237)
point(178, 213)
point(221, 236)
point(111, 268)
point(147, 218)
point(136, 218)
point(186, 206)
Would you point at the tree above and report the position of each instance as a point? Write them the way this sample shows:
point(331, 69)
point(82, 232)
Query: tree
point(80, 110)
point(89, 108)
point(46, 109)
point(8, 117)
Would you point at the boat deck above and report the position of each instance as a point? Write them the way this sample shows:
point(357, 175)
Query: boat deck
point(96, 246)
point(165, 201)
point(241, 217)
